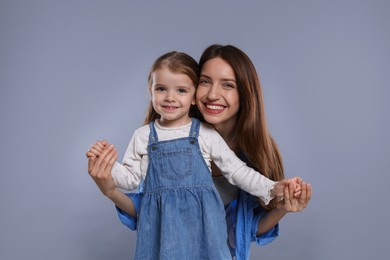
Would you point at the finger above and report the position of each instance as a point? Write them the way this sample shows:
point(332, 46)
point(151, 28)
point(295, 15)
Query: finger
point(297, 190)
point(96, 150)
point(100, 144)
point(279, 188)
point(286, 193)
point(287, 201)
point(291, 189)
point(297, 194)
point(99, 165)
point(109, 162)
point(303, 197)
point(91, 164)
point(295, 179)
point(105, 162)
point(90, 155)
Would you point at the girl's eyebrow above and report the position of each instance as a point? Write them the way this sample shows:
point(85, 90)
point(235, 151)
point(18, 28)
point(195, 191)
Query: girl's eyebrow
point(188, 88)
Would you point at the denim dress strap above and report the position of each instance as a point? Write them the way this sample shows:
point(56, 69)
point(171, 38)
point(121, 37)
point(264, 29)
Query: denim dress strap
point(153, 138)
point(194, 131)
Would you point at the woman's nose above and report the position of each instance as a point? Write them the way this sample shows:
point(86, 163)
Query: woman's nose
point(214, 92)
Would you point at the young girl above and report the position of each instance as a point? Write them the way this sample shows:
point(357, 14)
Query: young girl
point(181, 215)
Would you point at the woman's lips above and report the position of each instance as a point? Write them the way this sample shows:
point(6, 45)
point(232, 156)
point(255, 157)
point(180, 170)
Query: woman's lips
point(214, 108)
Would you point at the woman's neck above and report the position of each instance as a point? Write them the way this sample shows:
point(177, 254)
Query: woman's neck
point(226, 130)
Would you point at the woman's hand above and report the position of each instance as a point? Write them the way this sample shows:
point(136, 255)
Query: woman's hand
point(99, 168)
point(292, 203)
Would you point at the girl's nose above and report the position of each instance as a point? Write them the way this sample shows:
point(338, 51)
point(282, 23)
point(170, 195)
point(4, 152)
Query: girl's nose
point(169, 96)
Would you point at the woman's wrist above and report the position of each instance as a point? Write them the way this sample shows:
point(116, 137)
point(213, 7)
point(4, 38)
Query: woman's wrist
point(270, 219)
point(111, 194)
point(281, 211)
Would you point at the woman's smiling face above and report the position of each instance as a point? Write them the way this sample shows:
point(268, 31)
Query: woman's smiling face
point(217, 94)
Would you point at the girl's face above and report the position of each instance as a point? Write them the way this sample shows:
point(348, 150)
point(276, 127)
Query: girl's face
point(217, 95)
point(172, 96)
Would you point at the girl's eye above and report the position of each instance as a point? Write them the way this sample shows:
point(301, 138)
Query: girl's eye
point(160, 89)
point(182, 90)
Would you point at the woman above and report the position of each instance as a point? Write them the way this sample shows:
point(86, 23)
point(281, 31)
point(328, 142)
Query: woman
point(229, 97)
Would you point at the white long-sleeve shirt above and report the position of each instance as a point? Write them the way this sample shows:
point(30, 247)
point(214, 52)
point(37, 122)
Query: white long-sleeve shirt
point(129, 174)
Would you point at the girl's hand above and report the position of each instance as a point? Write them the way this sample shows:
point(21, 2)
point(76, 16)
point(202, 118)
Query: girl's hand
point(297, 181)
point(278, 189)
point(291, 203)
point(99, 168)
point(96, 149)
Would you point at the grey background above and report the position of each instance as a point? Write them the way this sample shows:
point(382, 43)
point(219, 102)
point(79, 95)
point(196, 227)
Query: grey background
point(73, 71)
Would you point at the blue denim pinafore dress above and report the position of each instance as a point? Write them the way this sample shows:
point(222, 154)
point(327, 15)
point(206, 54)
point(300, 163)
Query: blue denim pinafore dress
point(181, 214)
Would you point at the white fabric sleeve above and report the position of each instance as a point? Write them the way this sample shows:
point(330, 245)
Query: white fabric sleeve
point(128, 175)
point(235, 170)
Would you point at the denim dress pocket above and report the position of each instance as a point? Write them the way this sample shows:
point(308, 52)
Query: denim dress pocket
point(176, 164)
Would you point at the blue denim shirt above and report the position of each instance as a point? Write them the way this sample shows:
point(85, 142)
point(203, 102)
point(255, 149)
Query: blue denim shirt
point(242, 217)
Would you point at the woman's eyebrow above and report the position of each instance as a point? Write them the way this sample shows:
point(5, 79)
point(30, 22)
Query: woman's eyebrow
point(227, 79)
point(223, 79)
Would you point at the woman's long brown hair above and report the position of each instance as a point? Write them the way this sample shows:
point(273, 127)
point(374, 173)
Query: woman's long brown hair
point(251, 131)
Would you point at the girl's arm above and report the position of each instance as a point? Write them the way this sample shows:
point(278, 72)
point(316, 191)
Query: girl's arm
point(100, 171)
point(128, 174)
point(290, 203)
point(237, 172)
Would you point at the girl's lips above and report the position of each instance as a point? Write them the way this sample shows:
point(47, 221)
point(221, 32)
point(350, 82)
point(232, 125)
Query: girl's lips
point(169, 107)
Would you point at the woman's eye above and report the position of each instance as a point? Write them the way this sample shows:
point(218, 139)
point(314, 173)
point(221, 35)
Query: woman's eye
point(203, 81)
point(229, 85)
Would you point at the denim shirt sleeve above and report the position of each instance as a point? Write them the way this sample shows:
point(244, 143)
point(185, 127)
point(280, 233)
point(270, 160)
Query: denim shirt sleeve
point(253, 212)
point(126, 219)
point(249, 213)
point(268, 236)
